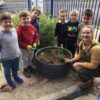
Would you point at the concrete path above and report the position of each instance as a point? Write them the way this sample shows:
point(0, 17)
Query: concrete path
point(33, 90)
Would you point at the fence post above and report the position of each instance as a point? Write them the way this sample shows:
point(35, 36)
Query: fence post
point(30, 5)
point(99, 38)
point(36, 3)
point(51, 10)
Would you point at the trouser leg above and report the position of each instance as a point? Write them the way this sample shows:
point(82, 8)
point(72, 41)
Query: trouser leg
point(84, 74)
point(15, 67)
point(7, 69)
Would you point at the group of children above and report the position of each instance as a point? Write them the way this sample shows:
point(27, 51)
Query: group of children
point(26, 37)
point(78, 37)
point(68, 32)
point(18, 42)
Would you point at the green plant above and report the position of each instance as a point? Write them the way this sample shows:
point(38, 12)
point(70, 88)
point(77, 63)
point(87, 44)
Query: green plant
point(62, 54)
point(16, 20)
point(47, 28)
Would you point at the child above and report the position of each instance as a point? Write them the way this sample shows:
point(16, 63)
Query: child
point(60, 28)
point(86, 20)
point(10, 51)
point(72, 31)
point(27, 37)
point(35, 14)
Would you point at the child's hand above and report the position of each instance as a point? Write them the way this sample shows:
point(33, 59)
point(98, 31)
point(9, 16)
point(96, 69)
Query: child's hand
point(66, 60)
point(29, 47)
point(34, 46)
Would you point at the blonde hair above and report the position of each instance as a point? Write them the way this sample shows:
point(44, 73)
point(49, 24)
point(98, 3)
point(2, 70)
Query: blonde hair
point(62, 10)
point(37, 9)
point(89, 26)
point(74, 11)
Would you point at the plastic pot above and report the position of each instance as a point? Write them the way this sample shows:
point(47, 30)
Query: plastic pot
point(52, 71)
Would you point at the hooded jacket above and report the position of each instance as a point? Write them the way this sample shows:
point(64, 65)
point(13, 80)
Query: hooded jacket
point(27, 36)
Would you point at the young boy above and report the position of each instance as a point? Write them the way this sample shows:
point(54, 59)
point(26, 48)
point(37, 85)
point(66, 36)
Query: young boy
point(35, 14)
point(10, 51)
point(27, 37)
point(72, 31)
point(60, 28)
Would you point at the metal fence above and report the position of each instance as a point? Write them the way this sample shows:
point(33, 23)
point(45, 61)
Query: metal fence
point(53, 6)
point(80, 5)
point(14, 5)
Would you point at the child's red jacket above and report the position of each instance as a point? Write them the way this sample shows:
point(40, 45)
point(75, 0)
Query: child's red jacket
point(27, 36)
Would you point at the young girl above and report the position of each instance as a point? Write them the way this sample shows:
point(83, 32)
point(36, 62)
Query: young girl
point(72, 31)
point(60, 28)
point(9, 49)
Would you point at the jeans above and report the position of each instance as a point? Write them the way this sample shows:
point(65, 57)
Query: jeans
point(10, 66)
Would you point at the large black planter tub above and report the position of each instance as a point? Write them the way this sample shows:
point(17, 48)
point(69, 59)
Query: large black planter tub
point(50, 62)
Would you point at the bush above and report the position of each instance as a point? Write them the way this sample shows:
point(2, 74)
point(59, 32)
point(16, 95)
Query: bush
point(16, 20)
point(47, 29)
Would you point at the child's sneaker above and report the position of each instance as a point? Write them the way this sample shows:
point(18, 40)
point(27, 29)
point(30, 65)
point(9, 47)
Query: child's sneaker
point(11, 84)
point(18, 79)
point(27, 73)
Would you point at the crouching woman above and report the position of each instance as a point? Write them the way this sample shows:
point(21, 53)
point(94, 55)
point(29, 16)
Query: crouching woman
point(87, 62)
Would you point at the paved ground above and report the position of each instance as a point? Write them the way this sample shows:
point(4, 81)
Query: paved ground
point(33, 90)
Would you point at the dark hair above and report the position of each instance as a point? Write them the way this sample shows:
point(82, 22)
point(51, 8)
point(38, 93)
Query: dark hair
point(5, 16)
point(36, 9)
point(24, 13)
point(88, 12)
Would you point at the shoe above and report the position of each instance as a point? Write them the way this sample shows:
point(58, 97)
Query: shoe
point(18, 79)
point(86, 85)
point(32, 70)
point(11, 84)
point(27, 73)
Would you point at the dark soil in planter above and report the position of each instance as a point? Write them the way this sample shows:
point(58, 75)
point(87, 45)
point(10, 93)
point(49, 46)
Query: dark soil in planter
point(50, 62)
point(52, 56)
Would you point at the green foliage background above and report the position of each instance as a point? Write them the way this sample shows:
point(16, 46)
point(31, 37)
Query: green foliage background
point(47, 29)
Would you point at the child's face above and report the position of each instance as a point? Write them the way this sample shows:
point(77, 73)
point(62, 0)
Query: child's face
point(73, 17)
point(35, 15)
point(7, 24)
point(86, 34)
point(86, 20)
point(25, 20)
point(62, 17)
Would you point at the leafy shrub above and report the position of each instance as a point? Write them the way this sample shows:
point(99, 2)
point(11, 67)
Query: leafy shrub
point(47, 28)
point(16, 20)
